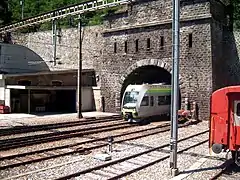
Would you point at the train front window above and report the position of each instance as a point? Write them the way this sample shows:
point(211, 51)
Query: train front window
point(130, 97)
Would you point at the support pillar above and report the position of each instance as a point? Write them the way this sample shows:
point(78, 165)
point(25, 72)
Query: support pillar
point(175, 89)
point(29, 101)
point(186, 104)
point(79, 84)
point(54, 31)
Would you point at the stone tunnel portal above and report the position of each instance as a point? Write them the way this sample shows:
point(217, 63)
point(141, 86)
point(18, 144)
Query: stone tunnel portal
point(148, 74)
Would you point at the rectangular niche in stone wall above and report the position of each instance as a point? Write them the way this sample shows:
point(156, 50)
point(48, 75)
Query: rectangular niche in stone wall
point(148, 44)
point(136, 45)
point(190, 40)
point(161, 42)
point(125, 47)
point(115, 47)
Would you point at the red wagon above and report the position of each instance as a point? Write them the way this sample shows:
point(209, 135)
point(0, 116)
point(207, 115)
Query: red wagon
point(225, 121)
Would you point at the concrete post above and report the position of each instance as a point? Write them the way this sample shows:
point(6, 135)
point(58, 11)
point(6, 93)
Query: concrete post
point(79, 84)
point(186, 104)
point(29, 101)
point(195, 111)
point(103, 103)
point(54, 26)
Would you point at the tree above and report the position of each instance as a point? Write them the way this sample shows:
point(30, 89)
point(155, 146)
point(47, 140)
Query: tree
point(5, 14)
point(36, 7)
point(236, 13)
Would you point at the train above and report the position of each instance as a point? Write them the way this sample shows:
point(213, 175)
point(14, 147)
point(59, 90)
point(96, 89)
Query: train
point(145, 101)
point(224, 131)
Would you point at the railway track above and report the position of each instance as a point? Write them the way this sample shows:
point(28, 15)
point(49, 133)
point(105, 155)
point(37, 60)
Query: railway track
point(228, 170)
point(81, 147)
point(131, 164)
point(55, 136)
point(123, 166)
point(33, 128)
point(77, 147)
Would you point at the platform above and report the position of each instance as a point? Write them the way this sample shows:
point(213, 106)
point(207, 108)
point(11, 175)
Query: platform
point(15, 119)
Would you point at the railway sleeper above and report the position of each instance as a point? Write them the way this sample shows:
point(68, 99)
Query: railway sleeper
point(101, 173)
point(116, 169)
point(92, 175)
point(146, 156)
point(129, 164)
point(158, 153)
point(105, 173)
point(143, 160)
point(111, 171)
point(121, 167)
point(136, 162)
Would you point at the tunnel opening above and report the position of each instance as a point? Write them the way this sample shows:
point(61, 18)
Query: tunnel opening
point(148, 74)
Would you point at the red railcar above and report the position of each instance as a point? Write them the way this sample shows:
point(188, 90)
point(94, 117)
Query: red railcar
point(225, 121)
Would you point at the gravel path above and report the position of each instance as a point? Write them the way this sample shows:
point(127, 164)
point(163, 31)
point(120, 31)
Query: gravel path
point(11, 120)
point(28, 121)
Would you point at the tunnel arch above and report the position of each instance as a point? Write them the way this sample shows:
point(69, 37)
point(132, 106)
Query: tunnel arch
point(147, 74)
point(152, 71)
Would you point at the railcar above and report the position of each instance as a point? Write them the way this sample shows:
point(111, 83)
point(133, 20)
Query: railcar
point(224, 135)
point(145, 101)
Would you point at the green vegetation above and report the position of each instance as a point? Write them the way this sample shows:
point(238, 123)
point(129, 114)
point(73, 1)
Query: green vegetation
point(36, 7)
point(5, 14)
point(236, 14)
point(11, 11)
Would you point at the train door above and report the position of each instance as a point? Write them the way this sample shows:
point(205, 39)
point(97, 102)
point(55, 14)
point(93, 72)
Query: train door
point(145, 106)
point(152, 106)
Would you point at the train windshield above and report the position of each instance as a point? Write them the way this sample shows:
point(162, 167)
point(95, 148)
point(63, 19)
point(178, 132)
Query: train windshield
point(130, 98)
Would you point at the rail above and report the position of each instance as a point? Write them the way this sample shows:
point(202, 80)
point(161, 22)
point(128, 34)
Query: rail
point(63, 12)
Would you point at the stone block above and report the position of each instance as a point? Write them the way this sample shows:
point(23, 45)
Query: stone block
point(103, 156)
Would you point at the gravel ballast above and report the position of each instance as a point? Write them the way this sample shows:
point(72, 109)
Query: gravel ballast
point(160, 170)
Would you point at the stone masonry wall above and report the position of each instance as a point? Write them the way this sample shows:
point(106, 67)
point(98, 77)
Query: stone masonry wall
point(231, 56)
point(226, 67)
point(201, 66)
point(67, 47)
point(145, 12)
point(195, 61)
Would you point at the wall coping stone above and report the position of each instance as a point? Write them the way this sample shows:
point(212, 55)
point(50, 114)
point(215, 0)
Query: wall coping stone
point(156, 23)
